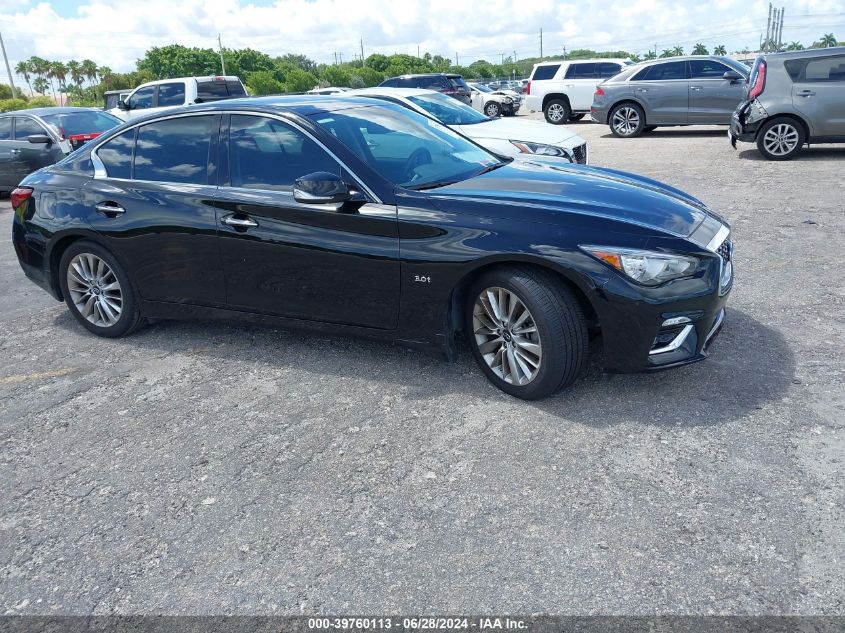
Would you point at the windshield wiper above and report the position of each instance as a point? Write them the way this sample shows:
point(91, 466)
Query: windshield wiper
point(433, 185)
point(489, 168)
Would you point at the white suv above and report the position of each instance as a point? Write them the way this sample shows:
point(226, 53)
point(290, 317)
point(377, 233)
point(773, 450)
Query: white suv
point(155, 96)
point(563, 90)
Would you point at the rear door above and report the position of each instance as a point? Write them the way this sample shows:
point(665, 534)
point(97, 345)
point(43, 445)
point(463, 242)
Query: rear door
point(155, 206)
point(579, 83)
point(712, 99)
point(305, 261)
point(664, 91)
point(818, 93)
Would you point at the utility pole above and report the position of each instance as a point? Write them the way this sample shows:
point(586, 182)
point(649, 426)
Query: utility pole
point(768, 30)
point(541, 44)
point(418, 50)
point(8, 69)
point(456, 59)
point(780, 30)
point(362, 53)
point(503, 59)
point(564, 51)
point(220, 48)
point(341, 57)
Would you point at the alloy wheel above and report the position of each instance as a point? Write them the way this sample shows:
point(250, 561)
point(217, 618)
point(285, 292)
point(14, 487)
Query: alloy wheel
point(95, 290)
point(492, 109)
point(626, 120)
point(506, 335)
point(556, 112)
point(781, 139)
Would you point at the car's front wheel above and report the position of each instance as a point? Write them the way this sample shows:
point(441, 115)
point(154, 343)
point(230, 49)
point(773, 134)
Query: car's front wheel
point(627, 120)
point(526, 330)
point(492, 109)
point(98, 291)
point(557, 111)
point(780, 139)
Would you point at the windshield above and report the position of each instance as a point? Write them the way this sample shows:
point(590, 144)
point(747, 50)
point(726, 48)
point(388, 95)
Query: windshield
point(447, 110)
point(408, 149)
point(81, 122)
point(481, 88)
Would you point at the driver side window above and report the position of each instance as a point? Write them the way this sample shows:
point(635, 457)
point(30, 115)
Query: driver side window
point(268, 154)
point(142, 99)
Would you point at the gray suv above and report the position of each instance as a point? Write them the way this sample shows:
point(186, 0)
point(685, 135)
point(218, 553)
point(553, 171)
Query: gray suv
point(692, 90)
point(793, 99)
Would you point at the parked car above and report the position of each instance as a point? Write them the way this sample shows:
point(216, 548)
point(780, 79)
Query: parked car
point(331, 90)
point(510, 137)
point(692, 90)
point(308, 223)
point(563, 90)
point(34, 138)
point(490, 102)
point(793, 99)
point(447, 83)
point(112, 97)
point(155, 96)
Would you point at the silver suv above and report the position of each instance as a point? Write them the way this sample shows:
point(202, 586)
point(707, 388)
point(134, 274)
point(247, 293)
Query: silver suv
point(793, 99)
point(691, 90)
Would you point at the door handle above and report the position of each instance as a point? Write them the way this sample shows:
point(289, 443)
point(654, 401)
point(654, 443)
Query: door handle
point(238, 223)
point(695, 87)
point(14, 150)
point(642, 89)
point(806, 93)
point(109, 209)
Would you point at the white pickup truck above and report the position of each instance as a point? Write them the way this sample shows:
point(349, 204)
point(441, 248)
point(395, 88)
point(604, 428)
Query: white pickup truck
point(563, 90)
point(155, 96)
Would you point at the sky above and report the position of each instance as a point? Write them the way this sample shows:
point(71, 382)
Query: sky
point(115, 33)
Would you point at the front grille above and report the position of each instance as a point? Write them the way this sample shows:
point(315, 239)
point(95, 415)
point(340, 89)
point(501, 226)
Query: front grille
point(725, 251)
point(580, 154)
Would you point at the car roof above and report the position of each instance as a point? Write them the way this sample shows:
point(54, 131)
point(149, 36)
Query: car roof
point(51, 110)
point(396, 92)
point(426, 75)
point(618, 60)
point(808, 52)
point(174, 79)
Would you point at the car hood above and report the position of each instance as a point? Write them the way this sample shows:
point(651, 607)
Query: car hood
point(517, 130)
point(585, 190)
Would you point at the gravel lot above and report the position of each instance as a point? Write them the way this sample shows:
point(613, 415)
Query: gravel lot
point(201, 468)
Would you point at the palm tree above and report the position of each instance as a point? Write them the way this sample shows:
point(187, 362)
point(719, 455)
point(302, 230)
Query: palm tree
point(828, 40)
point(22, 68)
point(40, 84)
point(105, 71)
point(75, 70)
point(795, 46)
point(89, 69)
point(650, 55)
point(667, 52)
point(699, 49)
point(59, 71)
point(678, 51)
point(720, 50)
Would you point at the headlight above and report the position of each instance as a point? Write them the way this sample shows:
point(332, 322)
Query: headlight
point(646, 267)
point(540, 149)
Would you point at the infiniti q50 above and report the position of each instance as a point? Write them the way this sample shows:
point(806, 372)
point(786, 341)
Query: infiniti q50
point(350, 215)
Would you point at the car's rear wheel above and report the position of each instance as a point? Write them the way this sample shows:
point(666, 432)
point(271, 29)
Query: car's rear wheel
point(526, 330)
point(98, 291)
point(627, 120)
point(780, 139)
point(557, 111)
point(577, 117)
point(492, 109)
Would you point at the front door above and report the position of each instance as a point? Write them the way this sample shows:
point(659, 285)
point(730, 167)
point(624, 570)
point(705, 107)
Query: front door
point(712, 99)
point(303, 261)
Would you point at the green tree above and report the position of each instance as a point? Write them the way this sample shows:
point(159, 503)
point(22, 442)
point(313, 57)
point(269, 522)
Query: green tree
point(89, 69)
point(243, 61)
point(678, 51)
point(699, 49)
point(298, 61)
point(22, 68)
point(75, 70)
point(795, 46)
point(335, 76)
point(378, 62)
point(176, 60)
point(720, 50)
point(370, 76)
point(828, 40)
point(650, 55)
point(263, 82)
point(40, 85)
point(667, 52)
point(298, 80)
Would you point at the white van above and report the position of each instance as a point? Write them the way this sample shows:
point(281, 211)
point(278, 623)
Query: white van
point(155, 96)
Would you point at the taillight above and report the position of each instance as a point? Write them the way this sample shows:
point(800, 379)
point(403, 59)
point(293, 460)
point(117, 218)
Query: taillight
point(759, 81)
point(20, 195)
point(599, 92)
point(528, 88)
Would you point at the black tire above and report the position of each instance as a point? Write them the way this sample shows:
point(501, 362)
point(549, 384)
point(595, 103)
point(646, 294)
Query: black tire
point(560, 326)
point(631, 120)
point(789, 130)
point(130, 318)
point(492, 109)
point(577, 117)
point(557, 111)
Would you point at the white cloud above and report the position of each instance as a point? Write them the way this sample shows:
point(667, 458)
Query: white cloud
point(115, 32)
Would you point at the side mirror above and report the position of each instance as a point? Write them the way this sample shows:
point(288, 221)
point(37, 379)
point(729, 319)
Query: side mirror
point(39, 138)
point(122, 104)
point(321, 187)
point(732, 75)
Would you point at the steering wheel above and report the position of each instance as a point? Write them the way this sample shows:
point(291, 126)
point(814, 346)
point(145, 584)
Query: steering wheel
point(420, 156)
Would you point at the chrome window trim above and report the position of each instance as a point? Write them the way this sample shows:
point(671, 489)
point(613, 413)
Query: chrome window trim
point(96, 159)
point(675, 343)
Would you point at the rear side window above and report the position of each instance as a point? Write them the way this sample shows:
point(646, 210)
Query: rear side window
point(390, 83)
point(24, 126)
point(175, 150)
point(545, 72)
point(116, 155)
point(217, 89)
point(581, 71)
point(425, 83)
point(5, 128)
point(459, 83)
point(171, 94)
point(707, 69)
point(825, 69)
point(607, 70)
point(267, 154)
point(664, 72)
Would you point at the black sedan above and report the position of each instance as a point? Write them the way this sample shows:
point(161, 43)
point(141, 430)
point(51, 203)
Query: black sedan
point(350, 215)
point(31, 139)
